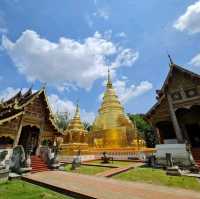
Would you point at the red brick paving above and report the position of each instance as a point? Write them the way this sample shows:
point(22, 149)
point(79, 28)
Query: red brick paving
point(104, 188)
point(114, 171)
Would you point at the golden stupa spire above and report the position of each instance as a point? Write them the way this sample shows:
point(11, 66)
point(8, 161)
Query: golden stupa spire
point(75, 123)
point(77, 111)
point(110, 99)
point(109, 82)
point(75, 135)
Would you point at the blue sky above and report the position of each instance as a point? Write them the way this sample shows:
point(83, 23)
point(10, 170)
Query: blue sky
point(70, 43)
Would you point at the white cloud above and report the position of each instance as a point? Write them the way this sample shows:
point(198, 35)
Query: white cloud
point(103, 13)
point(195, 61)
point(126, 93)
point(127, 57)
point(121, 34)
point(124, 77)
point(190, 20)
point(87, 116)
point(10, 92)
point(59, 105)
point(3, 30)
point(67, 62)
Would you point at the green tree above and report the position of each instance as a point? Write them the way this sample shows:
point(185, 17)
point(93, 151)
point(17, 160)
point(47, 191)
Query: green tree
point(145, 130)
point(87, 126)
point(62, 120)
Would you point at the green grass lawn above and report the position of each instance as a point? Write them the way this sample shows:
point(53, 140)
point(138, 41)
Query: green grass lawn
point(157, 176)
point(17, 189)
point(88, 170)
point(115, 163)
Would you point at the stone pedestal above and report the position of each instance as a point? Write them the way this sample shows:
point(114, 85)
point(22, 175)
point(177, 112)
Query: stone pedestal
point(173, 171)
point(180, 155)
point(4, 174)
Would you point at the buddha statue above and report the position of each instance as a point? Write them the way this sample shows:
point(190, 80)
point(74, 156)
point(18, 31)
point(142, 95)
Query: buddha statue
point(112, 128)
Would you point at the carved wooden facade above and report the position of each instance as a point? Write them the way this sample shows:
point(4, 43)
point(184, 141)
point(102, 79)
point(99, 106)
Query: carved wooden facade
point(176, 114)
point(22, 110)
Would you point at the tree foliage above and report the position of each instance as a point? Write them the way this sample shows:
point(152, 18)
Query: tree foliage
point(145, 130)
point(62, 120)
point(87, 126)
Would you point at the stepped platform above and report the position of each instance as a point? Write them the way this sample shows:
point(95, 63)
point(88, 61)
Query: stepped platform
point(38, 165)
point(196, 156)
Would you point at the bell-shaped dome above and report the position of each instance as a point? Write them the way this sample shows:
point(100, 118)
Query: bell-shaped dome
point(111, 112)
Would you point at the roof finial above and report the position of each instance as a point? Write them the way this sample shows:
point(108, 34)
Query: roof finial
point(170, 59)
point(109, 82)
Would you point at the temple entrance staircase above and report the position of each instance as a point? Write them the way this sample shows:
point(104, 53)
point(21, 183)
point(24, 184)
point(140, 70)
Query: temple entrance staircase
point(196, 155)
point(37, 164)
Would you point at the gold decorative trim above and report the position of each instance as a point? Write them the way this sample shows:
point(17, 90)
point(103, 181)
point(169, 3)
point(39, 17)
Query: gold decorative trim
point(11, 117)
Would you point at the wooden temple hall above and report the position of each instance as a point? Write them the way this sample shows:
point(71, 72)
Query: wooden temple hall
point(26, 119)
point(176, 114)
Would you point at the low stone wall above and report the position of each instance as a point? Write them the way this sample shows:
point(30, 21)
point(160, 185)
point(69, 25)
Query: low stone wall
point(180, 155)
point(114, 155)
point(69, 158)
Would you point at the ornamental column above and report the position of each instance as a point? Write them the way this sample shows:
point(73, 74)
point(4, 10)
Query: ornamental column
point(16, 142)
point(176, 126)
point(158, 134)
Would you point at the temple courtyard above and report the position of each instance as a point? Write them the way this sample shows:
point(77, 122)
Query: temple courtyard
point(119, 179)
point(85, 186)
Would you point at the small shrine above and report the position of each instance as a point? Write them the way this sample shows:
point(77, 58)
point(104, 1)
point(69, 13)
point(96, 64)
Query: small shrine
point(75, 136)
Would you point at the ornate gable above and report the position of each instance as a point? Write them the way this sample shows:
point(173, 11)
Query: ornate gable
point(183, 86)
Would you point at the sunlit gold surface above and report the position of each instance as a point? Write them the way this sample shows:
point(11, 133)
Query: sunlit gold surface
point(75, 136)
point(112, 128)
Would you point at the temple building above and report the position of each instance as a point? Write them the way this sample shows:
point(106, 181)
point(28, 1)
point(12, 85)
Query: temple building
point(112, 129)
point(176, 114)
point(75, 136)
point(26, 119)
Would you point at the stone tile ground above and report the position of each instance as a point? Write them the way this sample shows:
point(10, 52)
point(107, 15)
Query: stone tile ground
point(104, 188)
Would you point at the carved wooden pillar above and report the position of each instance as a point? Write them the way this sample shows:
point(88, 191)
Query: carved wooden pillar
point(160, 139)
point(185, 132)
point(41, 130)
point(18, 132)
point(176, 126)
point(157, 132)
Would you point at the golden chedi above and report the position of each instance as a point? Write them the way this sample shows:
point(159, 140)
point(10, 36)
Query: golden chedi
point(75, 136)
point(112, 128)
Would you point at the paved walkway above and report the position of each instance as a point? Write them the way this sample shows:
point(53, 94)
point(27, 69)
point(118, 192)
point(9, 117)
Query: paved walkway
point(104, 188)
point(114, 171)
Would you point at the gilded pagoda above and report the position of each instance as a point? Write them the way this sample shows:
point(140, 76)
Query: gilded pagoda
point(75, 136)
point(112, 129)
